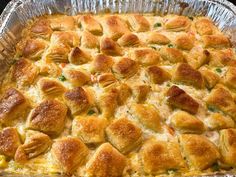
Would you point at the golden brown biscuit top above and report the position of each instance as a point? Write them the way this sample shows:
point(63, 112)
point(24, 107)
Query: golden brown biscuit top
point(111, 95)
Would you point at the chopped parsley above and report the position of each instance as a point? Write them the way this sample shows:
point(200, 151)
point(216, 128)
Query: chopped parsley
point(215, 167)
point(90, 112)
point(62, 78)
point(218, 70)
point(157, 25)
point(191, 18)
point(170, 45)
point(153, 47)
point(212, 108)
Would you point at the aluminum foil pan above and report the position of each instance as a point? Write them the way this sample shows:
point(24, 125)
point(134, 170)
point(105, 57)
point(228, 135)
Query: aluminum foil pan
point(18, 12)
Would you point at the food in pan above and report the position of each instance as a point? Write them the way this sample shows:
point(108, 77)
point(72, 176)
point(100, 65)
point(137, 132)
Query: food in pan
point(119, 95)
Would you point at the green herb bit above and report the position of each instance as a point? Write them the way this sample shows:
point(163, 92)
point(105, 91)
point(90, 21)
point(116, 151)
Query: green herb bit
point(212, 108)
point(153, 47)
point(90, 112)
point(62, 78)
point(13, 62)
point(218, 70)
point(215, 167)
point(170, 45)
point(191, 18)
point(157, 25)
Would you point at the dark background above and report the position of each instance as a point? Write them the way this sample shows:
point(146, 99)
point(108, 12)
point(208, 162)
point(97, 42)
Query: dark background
point(3, 3)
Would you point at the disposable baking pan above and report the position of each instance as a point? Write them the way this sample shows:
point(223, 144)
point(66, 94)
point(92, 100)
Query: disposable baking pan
point(16, 14)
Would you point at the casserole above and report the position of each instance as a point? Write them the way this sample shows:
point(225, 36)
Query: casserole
point(111, 85)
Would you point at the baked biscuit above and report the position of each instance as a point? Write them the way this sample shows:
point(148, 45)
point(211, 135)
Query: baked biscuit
point(140, 93)
point(160, 156)
point(35, 144)
point(129, 40)
point(171, 55)
point(88, 40)
point(186, 123)
point(114, 27)
point(106, 79)
point(106, 161)
point(48, 117)
point(138, 23)
point(124, 135)
point(227, 146)
point(110, 47)
point(50, 87)
point(108, 102)
point(210, 78)
point(41, 28)
point(90, 24)
point(124, 93)
point(62, 22)
point(204, 26)
point(24, 72)
point(125, 68)
point(158, 75)
point(77, 99)
point(101, 63)
point(146, 56)
point(184, 42)
point(218, 121)
point(9, 141)
point(157, 38)
point(89, 129)
point(34, 48)
point(147, 116)
point(185, 74)
point(69, 153)
point(221, 98)
point(77, 77)
point(216, 41)
point(78, 56)
point(178, 23)
point(12, 104)
point(230, 77)
point(180, 99)
point(200, 152)
point(197, 57)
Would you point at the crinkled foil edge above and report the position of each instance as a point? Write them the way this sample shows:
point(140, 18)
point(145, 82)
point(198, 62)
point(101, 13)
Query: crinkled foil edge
point(16, 14)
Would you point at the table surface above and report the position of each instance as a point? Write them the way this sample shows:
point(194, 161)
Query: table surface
point(3, 3)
